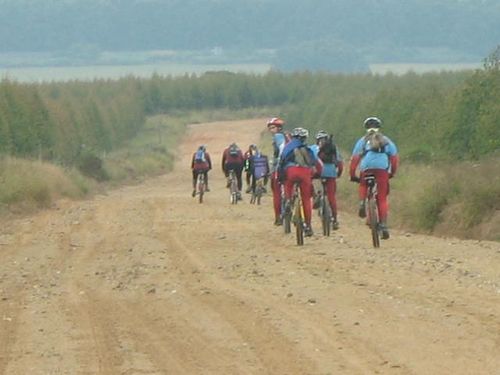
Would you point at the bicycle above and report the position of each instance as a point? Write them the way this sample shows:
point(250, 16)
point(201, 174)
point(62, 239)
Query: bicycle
point(233, 187)
point(258, 191)
point(324, 209)
point(371, 207)
point(294, 213)
point(201, 186)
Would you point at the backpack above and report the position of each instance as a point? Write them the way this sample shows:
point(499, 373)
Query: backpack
point(374, 141)
point(233, 150)
point(303, 157)
point(199, 157)
point(328, 152)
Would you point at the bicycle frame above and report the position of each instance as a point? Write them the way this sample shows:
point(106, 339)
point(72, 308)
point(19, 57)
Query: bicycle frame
point(371, 205)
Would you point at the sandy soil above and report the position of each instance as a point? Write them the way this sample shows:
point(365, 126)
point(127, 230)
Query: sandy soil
point(144, 280)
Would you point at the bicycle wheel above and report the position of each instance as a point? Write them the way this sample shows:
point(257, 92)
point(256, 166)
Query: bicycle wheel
point(299, 223)
point(201, 188)
point(326, 216)
point(373, 220)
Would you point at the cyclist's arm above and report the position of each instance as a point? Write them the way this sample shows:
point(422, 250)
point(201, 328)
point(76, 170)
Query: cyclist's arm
point(209, 161)
point(340, 168)
point(223, 160)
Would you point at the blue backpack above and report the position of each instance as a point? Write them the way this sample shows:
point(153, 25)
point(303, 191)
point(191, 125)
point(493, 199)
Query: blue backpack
point(200, 157)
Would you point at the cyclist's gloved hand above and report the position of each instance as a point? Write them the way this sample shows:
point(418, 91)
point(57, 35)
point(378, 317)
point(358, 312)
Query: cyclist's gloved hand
point(355, 179)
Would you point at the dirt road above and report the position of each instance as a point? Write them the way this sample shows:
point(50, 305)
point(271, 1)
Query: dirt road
point(144, 280)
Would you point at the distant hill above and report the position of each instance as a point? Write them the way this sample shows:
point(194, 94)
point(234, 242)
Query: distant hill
point(334, 35)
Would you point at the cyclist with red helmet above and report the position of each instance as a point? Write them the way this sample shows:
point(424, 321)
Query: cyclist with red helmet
point(275, 127)
point(375, 154)
point(299, 164)
point(200, 163)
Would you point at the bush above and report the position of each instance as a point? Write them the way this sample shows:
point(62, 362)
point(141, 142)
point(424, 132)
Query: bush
point(91, 165)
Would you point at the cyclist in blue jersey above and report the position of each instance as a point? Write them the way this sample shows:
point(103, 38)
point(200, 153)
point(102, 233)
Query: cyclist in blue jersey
point(375, 154)
point(326, 150)
point(275, 127)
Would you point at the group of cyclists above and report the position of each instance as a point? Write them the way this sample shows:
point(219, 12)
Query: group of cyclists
point(253, 162)
point(295, 161)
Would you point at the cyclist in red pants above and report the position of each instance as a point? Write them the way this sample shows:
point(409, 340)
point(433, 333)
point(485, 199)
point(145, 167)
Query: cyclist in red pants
point(275, 127)
point(299, 164)
point(374, 154)
point(327, 151)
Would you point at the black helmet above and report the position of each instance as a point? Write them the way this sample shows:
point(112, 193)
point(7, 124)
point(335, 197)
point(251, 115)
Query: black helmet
point(372, 122)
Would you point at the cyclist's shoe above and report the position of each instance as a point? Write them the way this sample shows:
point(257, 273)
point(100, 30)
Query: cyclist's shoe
point(238, 196)
point(308, 231)
point(384, 230)
point(207, 189)
point(193, 193)
point(278, 221)
point(335, 224)
point(228, 183)
point(362, 209)
point(248, 190)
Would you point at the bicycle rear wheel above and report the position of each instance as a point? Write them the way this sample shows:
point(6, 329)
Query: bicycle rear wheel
point(299, 232)
point(201, 188)
point(373, 220)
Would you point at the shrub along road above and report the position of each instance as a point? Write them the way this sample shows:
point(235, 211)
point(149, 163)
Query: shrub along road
point(144, 280)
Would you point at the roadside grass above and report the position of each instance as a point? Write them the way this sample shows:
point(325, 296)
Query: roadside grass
point(460, 199)
point(28, 185)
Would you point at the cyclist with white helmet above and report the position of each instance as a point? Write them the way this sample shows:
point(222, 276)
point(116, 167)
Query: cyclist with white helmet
point(275, 127)
point(326, 150)
point(375, 154)
point(298, 164)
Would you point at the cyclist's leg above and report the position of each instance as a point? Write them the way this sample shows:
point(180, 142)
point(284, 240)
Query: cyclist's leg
point(239, 171)
point(248, 179)
point(382, 177)
point(253, 183)
point(205, 174)
point(362, 193)
point(195, 176)
point(276, 189)
point(331, 189)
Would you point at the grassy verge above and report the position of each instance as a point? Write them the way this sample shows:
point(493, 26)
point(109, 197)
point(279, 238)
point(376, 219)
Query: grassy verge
point(27, 185)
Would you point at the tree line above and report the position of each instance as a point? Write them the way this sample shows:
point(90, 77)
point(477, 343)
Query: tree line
point(431, 117)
